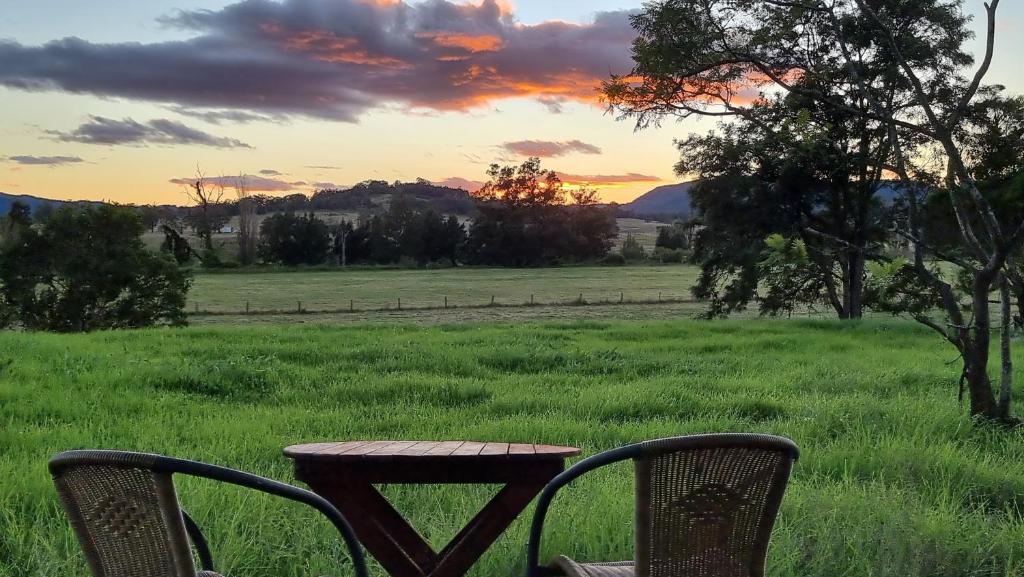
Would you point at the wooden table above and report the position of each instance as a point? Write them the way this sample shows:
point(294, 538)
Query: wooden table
point(344, 474)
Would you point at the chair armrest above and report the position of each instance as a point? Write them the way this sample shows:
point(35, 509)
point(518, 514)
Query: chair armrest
point(533, 568)
point(195, 534)
point(272, 487)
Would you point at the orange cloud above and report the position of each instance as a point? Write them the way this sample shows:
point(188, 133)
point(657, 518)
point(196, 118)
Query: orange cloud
point(606, 180)
point(467, 42)
point(327, 46)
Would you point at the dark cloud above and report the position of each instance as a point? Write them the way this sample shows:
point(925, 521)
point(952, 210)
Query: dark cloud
point(270, 172)
point(222, 116)
point(111, 132)
point(45, 160)
point(337, 59)
point(547, 148)
point(324, 167)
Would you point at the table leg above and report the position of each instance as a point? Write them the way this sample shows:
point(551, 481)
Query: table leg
point(396, 545)
point(466, 548)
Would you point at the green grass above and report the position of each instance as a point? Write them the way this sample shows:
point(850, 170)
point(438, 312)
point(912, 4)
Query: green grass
point(894, 480)
point(364, 288)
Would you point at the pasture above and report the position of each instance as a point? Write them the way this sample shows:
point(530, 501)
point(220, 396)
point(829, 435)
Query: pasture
point(893, 481)
point(372, 289)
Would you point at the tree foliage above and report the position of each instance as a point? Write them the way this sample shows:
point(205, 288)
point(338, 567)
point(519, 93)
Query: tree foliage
point(87, 269)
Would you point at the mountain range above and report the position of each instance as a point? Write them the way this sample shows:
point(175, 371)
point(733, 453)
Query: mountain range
point(672, 200)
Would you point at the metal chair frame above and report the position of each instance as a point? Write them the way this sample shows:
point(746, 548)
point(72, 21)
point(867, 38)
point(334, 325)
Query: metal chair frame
point(642, 450)
point(170, 465)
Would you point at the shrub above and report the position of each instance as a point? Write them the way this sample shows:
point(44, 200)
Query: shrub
point(614, 259)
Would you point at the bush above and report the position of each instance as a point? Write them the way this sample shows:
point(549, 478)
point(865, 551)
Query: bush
point(668, 255)
point(632, 249)
point(614, 259)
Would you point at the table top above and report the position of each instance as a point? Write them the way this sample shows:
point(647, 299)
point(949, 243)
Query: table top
point(362, 451)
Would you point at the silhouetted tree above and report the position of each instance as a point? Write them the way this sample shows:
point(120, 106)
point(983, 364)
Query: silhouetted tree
point(293, 240)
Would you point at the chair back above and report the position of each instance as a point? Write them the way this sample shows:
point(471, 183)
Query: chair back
point(706, 504)
point(125, 514)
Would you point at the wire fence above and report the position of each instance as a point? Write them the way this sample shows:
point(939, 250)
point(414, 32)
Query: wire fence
point(246, 308)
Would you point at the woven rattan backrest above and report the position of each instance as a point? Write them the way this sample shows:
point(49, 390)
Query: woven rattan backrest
point(127, 519)
point(706, 508)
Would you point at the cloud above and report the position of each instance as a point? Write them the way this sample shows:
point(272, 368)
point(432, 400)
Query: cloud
point(111, 132)
point(45, 160)
point(606, 180)
point(337, 59)
point(222, 116)
point(547, 148)
point(459, 182)
point(269, 172)
point(252, 182)
point(324, 167)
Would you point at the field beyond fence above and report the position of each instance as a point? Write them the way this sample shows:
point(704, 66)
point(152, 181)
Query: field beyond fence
point(369, 290)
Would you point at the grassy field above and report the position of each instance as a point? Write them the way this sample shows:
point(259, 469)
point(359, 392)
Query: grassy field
point(377, 288)
point(893, 481)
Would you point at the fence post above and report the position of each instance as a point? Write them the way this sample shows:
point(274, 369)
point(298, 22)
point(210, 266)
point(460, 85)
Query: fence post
point(492, 300)
point(581, 299)
point(300, 307)
point(399, 303)
point(351, 305)
point(659, 297)
point(531, 299)
point(445, 302)
point(246, 307)
point(622, 297)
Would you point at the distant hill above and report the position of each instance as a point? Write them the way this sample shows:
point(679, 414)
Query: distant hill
point(668, 200)
point(33, 202)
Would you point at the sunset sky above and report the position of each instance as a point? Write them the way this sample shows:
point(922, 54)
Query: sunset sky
point(116, 100)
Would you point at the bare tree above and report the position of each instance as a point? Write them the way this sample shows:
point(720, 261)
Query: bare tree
point(208, 199)
point(248, 228)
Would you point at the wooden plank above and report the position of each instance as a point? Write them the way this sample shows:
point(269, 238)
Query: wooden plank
point(445, 448)
point(520, 449)
point(352, 446)
point(469, 449)
point(391, 449)
point(494, 449)
point(337, 448)
point(370, 447)
point(556, 450)
point(417, 449)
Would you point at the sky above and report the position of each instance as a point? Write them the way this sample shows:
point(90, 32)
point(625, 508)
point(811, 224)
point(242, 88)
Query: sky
point(124, 101)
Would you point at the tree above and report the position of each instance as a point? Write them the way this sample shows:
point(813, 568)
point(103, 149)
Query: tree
point(87, 269)
point(632, 249)
point(809, 176)
point(525, 219)
point(293, 240)
point(248, 227)
point(899, 66)
point(208, 215)
point(176, 245)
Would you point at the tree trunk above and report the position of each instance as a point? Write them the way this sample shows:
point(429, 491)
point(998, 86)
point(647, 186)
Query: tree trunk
point(1006, 376)
point(975, 350)
point(855, 290)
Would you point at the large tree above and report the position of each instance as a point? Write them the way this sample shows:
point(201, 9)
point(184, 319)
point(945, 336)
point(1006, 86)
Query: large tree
point(901, 66)
point(87, 269)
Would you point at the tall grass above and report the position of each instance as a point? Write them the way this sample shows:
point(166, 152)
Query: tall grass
point(894, 479)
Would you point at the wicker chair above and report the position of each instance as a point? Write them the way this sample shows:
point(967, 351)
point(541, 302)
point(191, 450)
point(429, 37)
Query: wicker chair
point(705, 506)
point(125, 512)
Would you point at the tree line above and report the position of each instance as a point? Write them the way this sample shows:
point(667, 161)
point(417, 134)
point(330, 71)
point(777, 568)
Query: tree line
point(524, 216)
